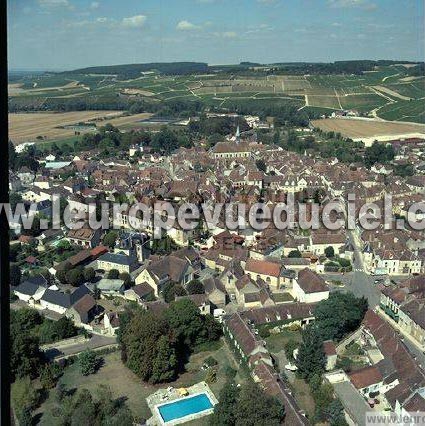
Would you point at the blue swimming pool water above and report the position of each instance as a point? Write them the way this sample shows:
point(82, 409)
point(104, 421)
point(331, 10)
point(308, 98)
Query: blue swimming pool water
point(184, 407)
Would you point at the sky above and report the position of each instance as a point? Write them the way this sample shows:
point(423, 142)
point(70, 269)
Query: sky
point(69, 34)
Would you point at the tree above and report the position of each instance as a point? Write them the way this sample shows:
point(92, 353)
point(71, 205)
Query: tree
point(110, 238)
point(311, 358)
point(113, 274)
point(335, 413)
point(171, 290)
point(14, 199)
point(89, 274)
point(164, 366)
point(126, 277)
point(340, 314)
point(254, 407)
point(295, 253)
point(186, 321)
point(378, 153)
point(25, 355)
point(329, 252)
point(290, 347)
point(89, 362)
point(323, 397)
point(140, 339)
point(52, 331)
point(15, 275)
point(47, 378)
point(25, 417)
point(165, 141)
point(61, 274)
point(224, 411)
point(75, 277)
point(23, 394)
point(195, 287)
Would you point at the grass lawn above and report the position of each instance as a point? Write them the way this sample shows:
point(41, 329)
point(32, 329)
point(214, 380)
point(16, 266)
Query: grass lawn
point(282, 297)
point(276, 342)
point(303, 396)
point(124, 383)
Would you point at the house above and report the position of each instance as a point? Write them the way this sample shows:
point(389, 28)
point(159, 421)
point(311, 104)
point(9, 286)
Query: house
point(29, 292)
point(139, 292)
point(250, 293)
point(330, 353)
point(402, 373)
point(82, 312)
point(301, 314)
point(242, 337)
point(168, 269)
point(59, 301)
point(405, 304)
point(84, 237)
point(216, 291)
point(119, 261)
point(309, 287)
point(111, 322)
point(232, 150)
point(319, 241)
point(367, 380)
point(269, 272)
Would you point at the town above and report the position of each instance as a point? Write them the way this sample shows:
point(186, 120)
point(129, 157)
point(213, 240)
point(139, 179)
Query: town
point(328, 323)
point(212, 213)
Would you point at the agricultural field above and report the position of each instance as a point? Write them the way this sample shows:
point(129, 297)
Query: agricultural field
point(45, 126)
point(379, 93)
point(369, 130)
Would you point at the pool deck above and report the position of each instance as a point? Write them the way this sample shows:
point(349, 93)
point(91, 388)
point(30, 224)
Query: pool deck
point(165, 396)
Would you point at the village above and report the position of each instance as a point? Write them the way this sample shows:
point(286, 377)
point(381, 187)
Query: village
point(257, 284)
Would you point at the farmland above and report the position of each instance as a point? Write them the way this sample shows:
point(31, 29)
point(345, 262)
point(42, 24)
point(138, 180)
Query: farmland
point(387, 92)
point(368, 130)
point(50, 125)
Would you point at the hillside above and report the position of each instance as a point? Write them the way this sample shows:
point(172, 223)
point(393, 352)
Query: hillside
point(385, 89)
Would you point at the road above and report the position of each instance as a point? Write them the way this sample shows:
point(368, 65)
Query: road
point(95, 342)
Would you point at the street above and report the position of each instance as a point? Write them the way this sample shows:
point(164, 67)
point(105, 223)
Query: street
point(95, 342)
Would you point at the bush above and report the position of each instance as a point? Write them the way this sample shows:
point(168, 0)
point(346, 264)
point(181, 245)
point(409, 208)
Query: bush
point(211, 376)
point(210, 361)
point(329, 252)
point(89, 362)
point(113, 274)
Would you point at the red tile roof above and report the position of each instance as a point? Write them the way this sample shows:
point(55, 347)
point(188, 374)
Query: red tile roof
point(365, 377)
point(263, 267)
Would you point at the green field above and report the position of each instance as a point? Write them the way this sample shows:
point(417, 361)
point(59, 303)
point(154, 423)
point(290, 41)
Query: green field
point(413, 110)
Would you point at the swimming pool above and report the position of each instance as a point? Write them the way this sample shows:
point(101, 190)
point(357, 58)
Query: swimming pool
point(185, 407)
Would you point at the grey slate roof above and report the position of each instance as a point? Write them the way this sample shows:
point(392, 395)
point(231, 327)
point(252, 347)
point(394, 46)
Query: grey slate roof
point(64, 300)
point(27, 288)
point(118, 258)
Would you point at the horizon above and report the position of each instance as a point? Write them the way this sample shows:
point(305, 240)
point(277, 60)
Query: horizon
point(71, 34)
point(59, 70)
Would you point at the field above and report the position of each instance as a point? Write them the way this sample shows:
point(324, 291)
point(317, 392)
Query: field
point(25, 127)
point(382, 93)
point(125, 384)
point(368, 130)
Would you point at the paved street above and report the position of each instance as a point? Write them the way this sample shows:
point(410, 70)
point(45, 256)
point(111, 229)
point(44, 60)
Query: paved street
point(95, 342)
